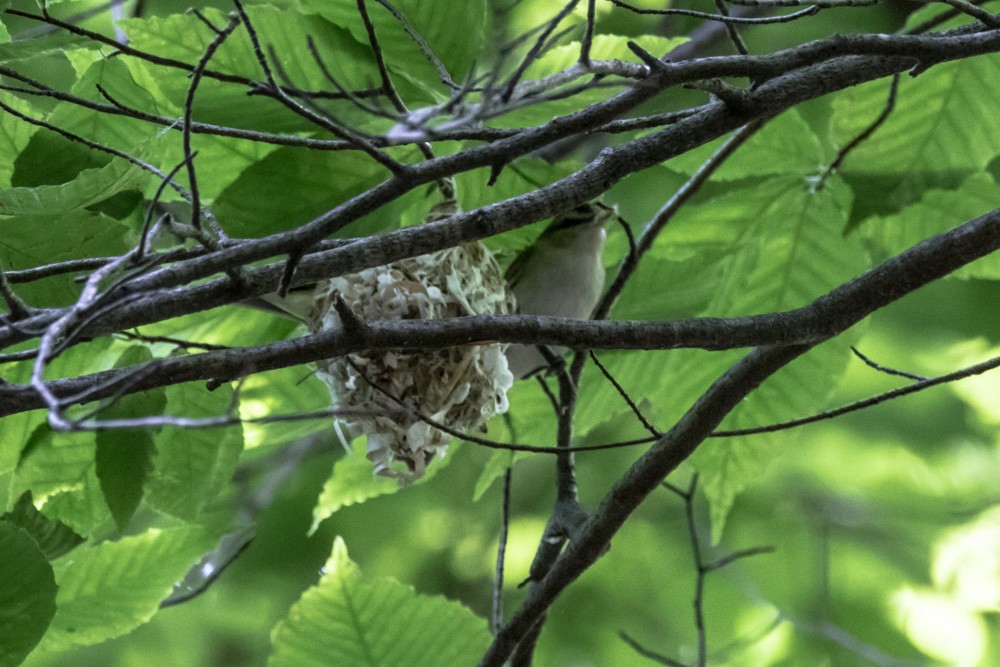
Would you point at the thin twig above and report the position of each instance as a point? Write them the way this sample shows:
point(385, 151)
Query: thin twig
point(977, 369)
point(885, 369)
point(282, 96)
point(624, 394)
point(536, 50)
point(734, 34)
point(890, 105)
point(724, 17)
point(196, 75)
point(497, 612)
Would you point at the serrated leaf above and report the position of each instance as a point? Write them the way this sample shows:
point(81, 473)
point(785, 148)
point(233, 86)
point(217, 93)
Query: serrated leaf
point(27, 594)
point(936, 212)
point(353, 481)
point(786, 145)
point(192, 466)
point(54, 538)
point(110, 589)
point(124, 456)
point(944, 122)
point(350, 619)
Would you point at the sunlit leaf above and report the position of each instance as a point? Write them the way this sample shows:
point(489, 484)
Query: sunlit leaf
point(942, 124)
point(54, 538)
point(90, 187)
point(109, 589)
point(785, 145)
point(193, 465)
point(353, 481)
point(936, 212)
point(351, 619)
point(14, 135)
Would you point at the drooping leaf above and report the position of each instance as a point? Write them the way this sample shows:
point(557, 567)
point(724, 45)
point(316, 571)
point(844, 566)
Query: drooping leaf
point(27, 594)
point(943, 124)
point(124, 456)
point(109, 589)
point(193, 465)
point(54, 538)
point(350, 619)
point(936, 212)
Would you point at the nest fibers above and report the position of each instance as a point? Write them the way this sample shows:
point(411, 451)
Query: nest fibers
point(461, 387)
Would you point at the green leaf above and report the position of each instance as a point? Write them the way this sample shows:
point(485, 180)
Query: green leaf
point(193, 465)
point(286, 391)
point(603, 47)
point(937, 212)
point(943, 123)
point(184, 37)
point(54, 538)
point(58, 468)
point(455, 31)
point(124, 456)
point(353, 481)
point(55, 43)
point(126, 134)
point(290, 187)
point(786, 145)
point(110, 589)
point(762, 248)
point(27, 594)
point(349, 619)
point(37, 240)
point(90, 187)
point(52, 462)
point(14, 135)
point(500, 460)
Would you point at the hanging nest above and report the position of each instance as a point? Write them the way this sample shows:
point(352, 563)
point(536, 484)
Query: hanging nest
point(461, 387)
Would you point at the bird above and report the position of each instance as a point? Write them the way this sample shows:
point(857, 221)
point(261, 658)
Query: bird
point(560, 275)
